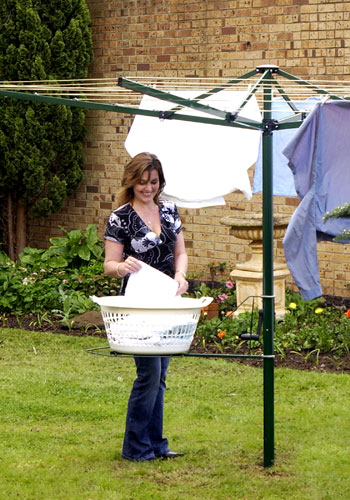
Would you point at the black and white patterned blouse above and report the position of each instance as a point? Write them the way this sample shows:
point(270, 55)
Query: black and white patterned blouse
point(126, 227)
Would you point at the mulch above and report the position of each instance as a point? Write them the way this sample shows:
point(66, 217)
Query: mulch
point(91, 324)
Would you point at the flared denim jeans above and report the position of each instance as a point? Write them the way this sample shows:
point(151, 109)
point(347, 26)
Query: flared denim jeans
point(143, 439)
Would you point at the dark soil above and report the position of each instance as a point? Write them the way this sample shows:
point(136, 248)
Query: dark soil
point(91, 324)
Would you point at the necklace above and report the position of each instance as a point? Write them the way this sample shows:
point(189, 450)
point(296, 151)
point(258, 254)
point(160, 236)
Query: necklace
point(147, 216)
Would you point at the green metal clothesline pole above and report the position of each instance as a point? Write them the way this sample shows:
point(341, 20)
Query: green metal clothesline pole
point(268, 285)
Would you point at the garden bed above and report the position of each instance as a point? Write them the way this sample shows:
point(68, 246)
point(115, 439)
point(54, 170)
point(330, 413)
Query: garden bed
point(48, 290)
point(92, 325)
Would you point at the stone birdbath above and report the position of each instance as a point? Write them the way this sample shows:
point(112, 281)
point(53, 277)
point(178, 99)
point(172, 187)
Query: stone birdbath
point(249, 275)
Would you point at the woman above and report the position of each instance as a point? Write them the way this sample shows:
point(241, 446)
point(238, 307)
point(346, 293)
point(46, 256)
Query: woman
point(144, 228)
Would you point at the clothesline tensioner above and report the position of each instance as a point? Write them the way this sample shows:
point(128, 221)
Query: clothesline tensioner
point(248, 336)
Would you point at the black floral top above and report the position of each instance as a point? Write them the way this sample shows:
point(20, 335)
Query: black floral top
point(126, 227)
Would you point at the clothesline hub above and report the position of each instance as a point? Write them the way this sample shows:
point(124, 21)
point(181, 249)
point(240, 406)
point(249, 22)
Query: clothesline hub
point(267, 67)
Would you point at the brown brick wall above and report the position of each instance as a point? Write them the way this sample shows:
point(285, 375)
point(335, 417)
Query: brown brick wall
point(308, 38)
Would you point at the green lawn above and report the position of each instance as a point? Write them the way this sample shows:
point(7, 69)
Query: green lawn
point(62, 418)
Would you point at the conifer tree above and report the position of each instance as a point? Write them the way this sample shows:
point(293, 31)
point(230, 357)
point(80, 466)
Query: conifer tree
point(41, 158)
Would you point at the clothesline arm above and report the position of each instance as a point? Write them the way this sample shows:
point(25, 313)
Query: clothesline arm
point(308, 84)
point(183, 102)
point(215, 90)
point(80, 103)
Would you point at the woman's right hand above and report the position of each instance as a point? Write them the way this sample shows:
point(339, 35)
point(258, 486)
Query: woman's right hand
point(130, 265)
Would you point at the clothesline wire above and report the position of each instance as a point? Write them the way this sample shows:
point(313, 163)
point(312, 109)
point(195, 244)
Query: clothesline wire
point(83, 87)
point(195, 83)
point(172, 82)
point(122, 93)
point(107, 90)
point(187, 80)
point(291, 91)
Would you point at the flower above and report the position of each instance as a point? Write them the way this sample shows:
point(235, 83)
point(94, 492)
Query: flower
point(347, 313)
point(221, 334)
point(319, 310)
point(229, 314)
point(222, 297)
point(292, 305)
point(229, 284)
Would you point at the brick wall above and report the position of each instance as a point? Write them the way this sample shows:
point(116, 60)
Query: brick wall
point(308, 38)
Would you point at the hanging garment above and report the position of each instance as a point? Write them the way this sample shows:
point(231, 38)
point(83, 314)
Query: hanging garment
point(201, 162)
point(283, 181)
point(319, 157)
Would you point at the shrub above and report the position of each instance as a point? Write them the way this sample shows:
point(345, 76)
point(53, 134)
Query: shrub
point(70, 270)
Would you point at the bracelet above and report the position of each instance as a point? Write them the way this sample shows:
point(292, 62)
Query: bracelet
point(181, 272)
point(117, 270)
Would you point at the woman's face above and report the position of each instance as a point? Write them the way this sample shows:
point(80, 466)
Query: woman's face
point(147, 188)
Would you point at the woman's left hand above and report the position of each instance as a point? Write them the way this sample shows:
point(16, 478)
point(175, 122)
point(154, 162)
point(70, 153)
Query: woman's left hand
point(183, 285)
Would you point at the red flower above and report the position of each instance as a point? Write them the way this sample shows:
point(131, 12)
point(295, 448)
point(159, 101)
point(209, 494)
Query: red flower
point(348, 313)
point(221, 334)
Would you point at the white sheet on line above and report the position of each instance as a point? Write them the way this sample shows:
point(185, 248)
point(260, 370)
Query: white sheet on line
point(201, 162)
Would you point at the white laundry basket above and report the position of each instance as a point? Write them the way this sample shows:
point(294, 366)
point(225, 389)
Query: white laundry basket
point(159, 327)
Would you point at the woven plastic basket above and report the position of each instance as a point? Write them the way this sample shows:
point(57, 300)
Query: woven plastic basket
point(145, 327)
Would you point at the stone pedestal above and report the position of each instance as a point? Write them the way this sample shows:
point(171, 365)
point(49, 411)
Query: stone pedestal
point(249, 275)
point(250, 283)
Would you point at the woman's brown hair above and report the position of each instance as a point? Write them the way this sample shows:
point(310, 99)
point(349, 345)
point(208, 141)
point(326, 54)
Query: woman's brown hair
point(133, 172)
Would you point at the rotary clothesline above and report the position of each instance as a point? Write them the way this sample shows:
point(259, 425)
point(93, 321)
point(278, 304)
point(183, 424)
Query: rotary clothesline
point(264, 89)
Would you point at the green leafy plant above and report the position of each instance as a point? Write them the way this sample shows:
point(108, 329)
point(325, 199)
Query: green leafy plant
point(73, 250)
point(229, 327)
point(204, 290)
point(72, 303)
point(312, 327)
point(41, 319)
point(224, 332)
point(33, 286)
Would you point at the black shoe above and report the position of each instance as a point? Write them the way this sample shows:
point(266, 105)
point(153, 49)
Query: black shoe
point(170, 454)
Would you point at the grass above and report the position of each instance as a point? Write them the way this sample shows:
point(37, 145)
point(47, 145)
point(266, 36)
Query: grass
point(62, 418)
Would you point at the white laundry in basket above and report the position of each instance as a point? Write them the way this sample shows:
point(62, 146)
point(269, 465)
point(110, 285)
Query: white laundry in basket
point(149, 282)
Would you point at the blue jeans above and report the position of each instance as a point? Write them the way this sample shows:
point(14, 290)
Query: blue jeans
point(143, 439)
